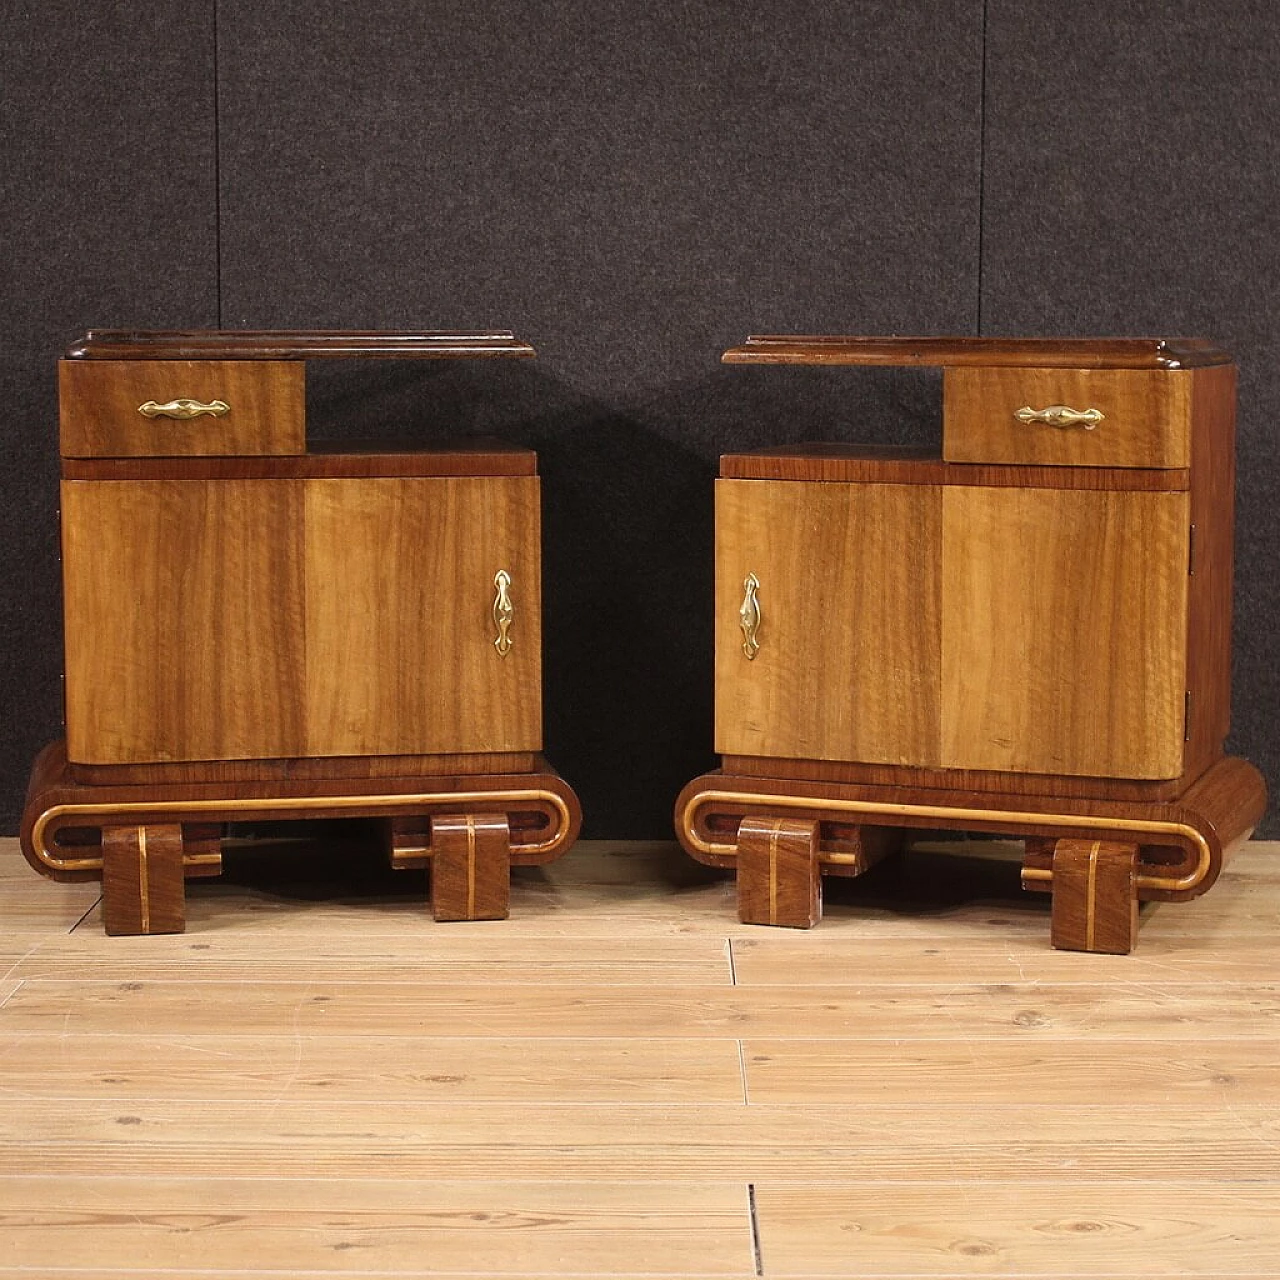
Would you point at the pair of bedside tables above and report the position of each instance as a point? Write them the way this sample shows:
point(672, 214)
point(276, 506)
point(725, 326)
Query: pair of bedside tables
point(1028, 634)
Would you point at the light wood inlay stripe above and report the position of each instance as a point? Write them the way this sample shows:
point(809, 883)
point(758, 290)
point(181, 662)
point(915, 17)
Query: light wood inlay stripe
point(471, 866)
point(1091, 896)
point(144, 892)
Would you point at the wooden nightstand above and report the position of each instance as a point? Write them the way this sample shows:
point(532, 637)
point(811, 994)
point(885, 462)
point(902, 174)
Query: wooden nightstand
point(1029, 634)
point(258, 631)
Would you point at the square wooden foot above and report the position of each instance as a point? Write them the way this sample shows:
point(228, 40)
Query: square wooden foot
point(779, 880)
point(142, 880)
point(1095, 899)
point(470, 867)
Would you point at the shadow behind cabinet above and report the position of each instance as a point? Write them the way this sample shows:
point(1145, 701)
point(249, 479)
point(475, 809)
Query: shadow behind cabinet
point(1029, 634)
point(258, 630)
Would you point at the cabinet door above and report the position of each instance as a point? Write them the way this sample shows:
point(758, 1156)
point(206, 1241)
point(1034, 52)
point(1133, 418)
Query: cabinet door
point(183, 619)
point(848, 666)
point(1064, 625)
point(401, 655)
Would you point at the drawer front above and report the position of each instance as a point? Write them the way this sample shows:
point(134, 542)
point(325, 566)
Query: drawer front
point(175, 408)
point(1068, 417)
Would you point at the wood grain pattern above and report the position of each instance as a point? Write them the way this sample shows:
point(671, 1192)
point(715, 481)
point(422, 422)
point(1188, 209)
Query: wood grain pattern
point(380, 459)
point(858, 1010)
point(99, 403)
point(1209, 605)
point(317, 768)
point(400, 653)
point(850, 594)
point(142, 880)
point(280, 1063)
point(1095, 900)
point(1179, 1080)
point(470, 867)
point(655, 1141)
point(991, 781)
point(1084, 597)
point(927, 1071)
point(1178, 1227)
point(292, 344)
point(1093, 353)
point(205, 662)
point(867, 464)
point(1146, 422)
point(384, 1225)
point(779, 880)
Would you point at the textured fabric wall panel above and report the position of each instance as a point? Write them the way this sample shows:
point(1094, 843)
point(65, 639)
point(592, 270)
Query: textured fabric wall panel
point(1130, 188)
point(631, 188)
point(108, 206)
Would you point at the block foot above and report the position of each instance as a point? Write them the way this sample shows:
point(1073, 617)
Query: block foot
point(1095, 898)
point(779, 878)
point(143, 880)
point(470, 867)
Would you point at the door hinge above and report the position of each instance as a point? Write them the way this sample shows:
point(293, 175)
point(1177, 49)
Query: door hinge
point(1191, 553)
point(1186, 718)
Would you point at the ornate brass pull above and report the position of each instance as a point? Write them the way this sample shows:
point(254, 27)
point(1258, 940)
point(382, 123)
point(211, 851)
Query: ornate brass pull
point(1061, 415)
point(184, 409)
point(750, 616)
point(503, 612)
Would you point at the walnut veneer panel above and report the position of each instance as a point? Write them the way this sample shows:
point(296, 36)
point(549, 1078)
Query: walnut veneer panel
point(401, 657)
point(849, 664)
point(100, 407)
point(1064, 617)
point(184, 625)
point(1146, 416)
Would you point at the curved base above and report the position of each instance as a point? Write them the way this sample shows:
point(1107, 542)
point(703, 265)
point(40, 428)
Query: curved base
point(72, 830)
point(1179, 845)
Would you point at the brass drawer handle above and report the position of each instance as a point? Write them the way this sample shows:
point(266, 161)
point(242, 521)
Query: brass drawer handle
point(750, 616)
point(1061, 415)
point(503, 612)
point(184, 409)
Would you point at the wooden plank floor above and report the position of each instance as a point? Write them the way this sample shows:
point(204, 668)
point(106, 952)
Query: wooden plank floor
point(621, 1081)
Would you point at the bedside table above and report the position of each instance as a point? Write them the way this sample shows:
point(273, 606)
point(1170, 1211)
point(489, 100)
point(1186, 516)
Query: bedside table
point(1028, 634)
point(256, 630)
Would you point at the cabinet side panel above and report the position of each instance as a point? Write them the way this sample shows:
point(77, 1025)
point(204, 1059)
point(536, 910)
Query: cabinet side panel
point(848, 666)
point(1064, 624)
point(184, 620)
point(401, 658)
point(1213, 482)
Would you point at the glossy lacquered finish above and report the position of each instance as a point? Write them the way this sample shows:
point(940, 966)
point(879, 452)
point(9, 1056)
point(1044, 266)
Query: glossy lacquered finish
point(255, 631)
point(1026, 631)
point(292, 344)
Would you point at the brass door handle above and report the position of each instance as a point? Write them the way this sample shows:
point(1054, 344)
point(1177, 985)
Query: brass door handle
point(503, 612)
point(184, 409)
point(1061, 415)
point(749, 616)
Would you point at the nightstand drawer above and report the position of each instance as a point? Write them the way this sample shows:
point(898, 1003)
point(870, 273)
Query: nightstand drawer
point(173, 408)
point(1067, 417)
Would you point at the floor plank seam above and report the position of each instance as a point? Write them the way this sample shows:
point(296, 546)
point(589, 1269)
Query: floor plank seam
point(97, 902)
point(757, 1255)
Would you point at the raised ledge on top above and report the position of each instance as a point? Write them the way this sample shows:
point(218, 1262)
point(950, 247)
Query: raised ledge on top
point(290, 344)
point(1065, 353)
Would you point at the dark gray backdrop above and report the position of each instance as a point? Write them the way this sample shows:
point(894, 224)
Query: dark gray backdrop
point(631, 188)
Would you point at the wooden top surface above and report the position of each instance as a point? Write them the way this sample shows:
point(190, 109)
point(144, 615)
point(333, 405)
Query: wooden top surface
point(291, 344)
point(1072, 353)
point(846, 463)
point(324, 459)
